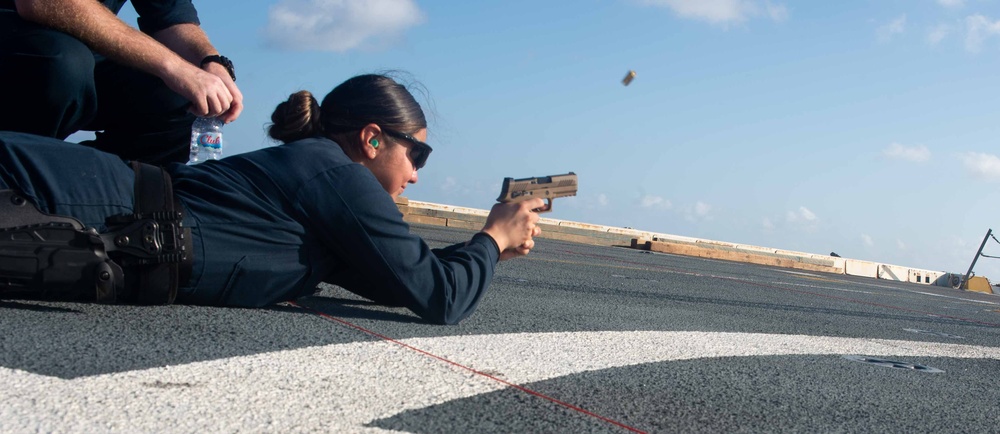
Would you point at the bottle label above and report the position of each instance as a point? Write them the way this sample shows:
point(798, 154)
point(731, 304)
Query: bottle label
point(210, 140)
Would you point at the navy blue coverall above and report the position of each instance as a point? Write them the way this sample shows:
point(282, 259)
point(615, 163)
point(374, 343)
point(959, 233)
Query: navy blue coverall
point(52, 84)
point(269, 225)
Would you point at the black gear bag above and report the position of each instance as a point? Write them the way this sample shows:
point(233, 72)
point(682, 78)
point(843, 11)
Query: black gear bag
point(142, 258)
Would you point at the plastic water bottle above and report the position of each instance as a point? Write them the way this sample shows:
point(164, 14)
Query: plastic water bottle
point(206, 140)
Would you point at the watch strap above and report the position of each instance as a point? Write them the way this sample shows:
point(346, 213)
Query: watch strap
point(222, 60)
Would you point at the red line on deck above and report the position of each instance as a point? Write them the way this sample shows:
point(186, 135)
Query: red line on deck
point(459, 365)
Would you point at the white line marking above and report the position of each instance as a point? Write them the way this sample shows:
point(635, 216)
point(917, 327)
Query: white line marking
point(799, 273)
point(822, 287)
point(954, 298)
point(344, 387)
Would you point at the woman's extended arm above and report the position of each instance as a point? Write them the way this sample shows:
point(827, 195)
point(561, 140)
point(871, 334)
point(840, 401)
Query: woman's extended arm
point(361, 224)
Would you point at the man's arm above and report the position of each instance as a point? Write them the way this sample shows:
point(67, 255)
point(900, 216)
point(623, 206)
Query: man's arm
point(95, 25)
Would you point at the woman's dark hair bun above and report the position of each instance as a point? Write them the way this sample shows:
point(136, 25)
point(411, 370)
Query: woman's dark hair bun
point(297, 118)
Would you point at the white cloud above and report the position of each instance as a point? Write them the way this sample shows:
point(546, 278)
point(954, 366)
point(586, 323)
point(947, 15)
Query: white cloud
point(767, 224)
point(801, 219)
point(916, 154)
point(982, 166)
point(867, 239)
point(585, 202)
point(776, 12)
point(701, 209)
point(655, 202)
point(937, 34)
point(895, 27)
point(699, 212)
point(722, 11)
point(339, 25)
point(457, 189)
point(951, 3)
point(802, 215)
point(978, 29)
point(450, 184)
point(900, 244)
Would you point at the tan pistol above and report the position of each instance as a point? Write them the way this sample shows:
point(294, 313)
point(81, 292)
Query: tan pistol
point(545, 187)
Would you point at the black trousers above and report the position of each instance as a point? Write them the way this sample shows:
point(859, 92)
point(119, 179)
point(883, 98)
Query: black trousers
point(51, 84)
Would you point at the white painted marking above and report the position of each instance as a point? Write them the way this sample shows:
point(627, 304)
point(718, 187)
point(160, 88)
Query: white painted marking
point(934, 333)
point(955, 298)
point(913, 291)
point(871, 285)
point(343, 387)
point(822, 287)
point(799, 273)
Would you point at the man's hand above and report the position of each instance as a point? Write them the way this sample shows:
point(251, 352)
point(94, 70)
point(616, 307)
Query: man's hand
point(236, 105)
point(209, 95)
point(211, 90)
point(513, 225)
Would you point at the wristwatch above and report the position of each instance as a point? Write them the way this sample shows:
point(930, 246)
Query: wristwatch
point(222, 60)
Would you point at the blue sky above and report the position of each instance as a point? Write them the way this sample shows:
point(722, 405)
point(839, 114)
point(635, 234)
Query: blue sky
point(869, 128)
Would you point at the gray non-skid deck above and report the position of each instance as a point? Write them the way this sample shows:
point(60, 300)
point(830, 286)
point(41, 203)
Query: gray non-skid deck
point(573, 338)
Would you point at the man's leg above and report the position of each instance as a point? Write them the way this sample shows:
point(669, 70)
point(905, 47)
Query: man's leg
point(46, 79)
point(57, 191)
point(139, 117)
point(65, 178)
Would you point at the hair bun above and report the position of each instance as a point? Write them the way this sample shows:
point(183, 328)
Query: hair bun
point(295, 119)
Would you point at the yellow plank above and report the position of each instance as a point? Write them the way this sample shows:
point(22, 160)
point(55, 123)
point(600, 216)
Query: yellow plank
point(736, 256)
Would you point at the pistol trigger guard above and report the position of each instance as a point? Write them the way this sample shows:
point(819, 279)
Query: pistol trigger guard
point(546, 208)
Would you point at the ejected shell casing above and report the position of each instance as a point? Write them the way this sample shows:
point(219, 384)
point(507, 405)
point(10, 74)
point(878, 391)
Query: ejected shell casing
point(628, 78)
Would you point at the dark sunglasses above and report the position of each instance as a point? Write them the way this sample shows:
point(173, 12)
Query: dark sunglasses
point(420, 150)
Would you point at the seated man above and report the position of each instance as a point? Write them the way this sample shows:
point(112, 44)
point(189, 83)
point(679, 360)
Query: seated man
point(71, 65)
